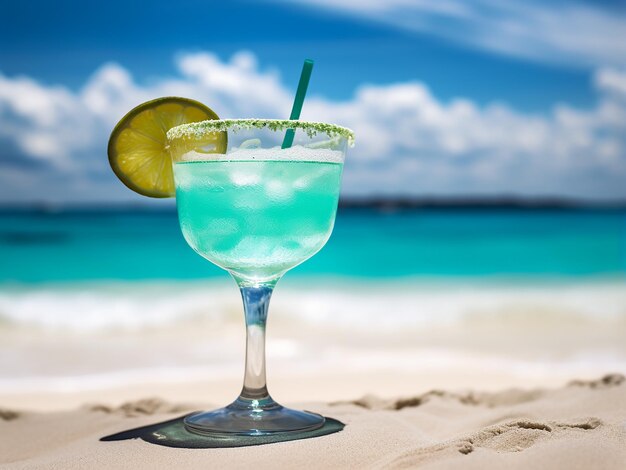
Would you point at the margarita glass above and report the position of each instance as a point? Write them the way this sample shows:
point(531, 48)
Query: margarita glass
point(256, 210)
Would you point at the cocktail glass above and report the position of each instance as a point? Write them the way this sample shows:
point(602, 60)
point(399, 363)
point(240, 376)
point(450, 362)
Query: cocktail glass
point(256, 210)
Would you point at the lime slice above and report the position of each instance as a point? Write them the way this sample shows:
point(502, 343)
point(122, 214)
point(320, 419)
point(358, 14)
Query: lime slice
point(138, 151)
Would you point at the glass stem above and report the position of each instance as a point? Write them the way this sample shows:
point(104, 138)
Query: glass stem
point(256, 300)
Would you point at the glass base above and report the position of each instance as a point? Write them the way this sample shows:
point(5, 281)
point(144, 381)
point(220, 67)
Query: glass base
point(245, 417)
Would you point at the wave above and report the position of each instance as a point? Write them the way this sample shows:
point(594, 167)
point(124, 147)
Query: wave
point(374, 306)
point(80, 336)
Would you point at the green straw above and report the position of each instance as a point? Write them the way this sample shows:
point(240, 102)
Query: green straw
point(305, 76)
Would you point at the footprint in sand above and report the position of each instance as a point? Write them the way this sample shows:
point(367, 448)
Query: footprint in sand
point(508, 437)
point(512, 436)
point(519, 435)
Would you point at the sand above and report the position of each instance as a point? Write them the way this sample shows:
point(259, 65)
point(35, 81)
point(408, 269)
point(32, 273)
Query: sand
point(581, 425)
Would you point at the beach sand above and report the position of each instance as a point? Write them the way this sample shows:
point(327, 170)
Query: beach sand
point(427, 375)
point(579, 425)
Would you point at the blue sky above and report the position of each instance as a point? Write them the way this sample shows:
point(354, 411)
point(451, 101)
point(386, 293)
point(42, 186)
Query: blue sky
point(502, 97)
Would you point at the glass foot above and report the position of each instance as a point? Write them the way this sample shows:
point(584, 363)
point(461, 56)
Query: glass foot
point(246, 417)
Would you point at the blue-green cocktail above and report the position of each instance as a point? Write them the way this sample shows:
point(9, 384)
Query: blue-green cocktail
point(257, 219)
point(256, 210)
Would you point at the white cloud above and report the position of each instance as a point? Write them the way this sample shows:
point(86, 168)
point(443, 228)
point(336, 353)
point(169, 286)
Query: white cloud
point(563, 32)
point(612, 80)
point(53, 140)
point(464, 148)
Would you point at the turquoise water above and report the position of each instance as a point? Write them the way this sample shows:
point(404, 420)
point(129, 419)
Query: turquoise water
point(110, 245)
point(257, 219)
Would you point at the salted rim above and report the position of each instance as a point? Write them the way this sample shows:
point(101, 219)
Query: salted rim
point(196, 129)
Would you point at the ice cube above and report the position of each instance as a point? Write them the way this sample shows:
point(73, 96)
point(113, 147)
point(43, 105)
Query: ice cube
point(244, 178)
point(251, 144)
point(277, 189)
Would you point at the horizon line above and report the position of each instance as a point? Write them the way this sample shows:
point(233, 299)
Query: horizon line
point(383, 203)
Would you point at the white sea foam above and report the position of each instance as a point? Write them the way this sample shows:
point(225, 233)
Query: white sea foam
point(119, 334)
point(297, 153)
point(84, 308)
point(366, 306)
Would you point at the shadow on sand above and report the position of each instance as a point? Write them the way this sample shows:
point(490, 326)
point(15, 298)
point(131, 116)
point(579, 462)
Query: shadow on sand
point(172, 433)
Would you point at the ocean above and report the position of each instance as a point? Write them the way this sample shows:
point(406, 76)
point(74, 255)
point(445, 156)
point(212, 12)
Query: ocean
point(540, 292)
point(72, 246)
